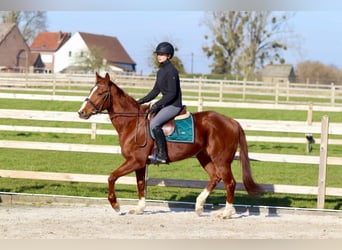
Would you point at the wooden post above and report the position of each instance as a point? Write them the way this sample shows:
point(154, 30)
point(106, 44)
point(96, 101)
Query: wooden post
point(276, 92)
point(221, 92)
point(309, 136)
point(323, 162)
point(244, 89)
point(54, 85)
point(332, 98)
point(200, 98)
point(93, 130)
point(288, 91)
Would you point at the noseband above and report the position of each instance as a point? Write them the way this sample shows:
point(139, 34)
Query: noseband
point(104, 99)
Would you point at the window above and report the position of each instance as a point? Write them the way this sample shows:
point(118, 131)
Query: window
point(70, 53)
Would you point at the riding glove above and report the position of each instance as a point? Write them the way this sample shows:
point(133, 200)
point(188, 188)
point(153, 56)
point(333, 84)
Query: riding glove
point(154, 108)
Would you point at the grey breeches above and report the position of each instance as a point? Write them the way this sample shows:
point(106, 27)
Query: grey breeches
point(164, 115)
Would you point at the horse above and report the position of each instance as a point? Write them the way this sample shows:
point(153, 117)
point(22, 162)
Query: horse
point(217, 138)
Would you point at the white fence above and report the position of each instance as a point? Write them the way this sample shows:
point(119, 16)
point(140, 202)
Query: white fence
point(324, 129)
point(199, 89)
point(198, 92)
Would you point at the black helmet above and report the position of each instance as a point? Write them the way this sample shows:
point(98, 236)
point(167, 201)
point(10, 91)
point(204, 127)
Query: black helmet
point(165, 48)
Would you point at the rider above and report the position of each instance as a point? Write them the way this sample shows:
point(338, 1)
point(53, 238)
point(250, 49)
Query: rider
point(167, 83)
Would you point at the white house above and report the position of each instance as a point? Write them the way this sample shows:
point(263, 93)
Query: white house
point(114, 56)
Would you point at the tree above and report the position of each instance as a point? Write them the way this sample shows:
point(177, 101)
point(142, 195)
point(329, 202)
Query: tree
point(30, 23)
point(91, 61)
point(245, 41)
point(317, 72)
point(227, 31)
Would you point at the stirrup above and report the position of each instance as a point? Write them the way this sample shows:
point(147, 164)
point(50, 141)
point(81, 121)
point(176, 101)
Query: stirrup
point(156, 160)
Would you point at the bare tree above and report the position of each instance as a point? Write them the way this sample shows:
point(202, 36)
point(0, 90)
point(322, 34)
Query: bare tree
point(227, 35)
point(245, 41)
point(91, 61)
point(30, 23)
point(316, 72)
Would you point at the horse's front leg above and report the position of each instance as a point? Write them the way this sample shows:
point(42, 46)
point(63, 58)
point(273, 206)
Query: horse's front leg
point(130, 165)
point(141, 184)
point(111, 192)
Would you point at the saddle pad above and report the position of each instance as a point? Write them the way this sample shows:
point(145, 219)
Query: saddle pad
point(184, 131)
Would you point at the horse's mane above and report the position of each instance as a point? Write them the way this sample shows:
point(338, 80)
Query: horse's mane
point(122, 93)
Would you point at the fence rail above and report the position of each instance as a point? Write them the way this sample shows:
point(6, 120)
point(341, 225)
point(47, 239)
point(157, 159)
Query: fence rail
point(198, 92)
point(193, 88)
point(324, 129)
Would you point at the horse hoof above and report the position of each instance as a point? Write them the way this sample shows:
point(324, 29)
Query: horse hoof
point(116, 207)
point(225, 215)
point(199, 211)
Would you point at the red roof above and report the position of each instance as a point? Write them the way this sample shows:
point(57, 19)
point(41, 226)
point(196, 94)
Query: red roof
point(49, 41)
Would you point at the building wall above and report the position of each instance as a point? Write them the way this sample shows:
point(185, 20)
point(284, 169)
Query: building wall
point(66, 54)
point(14, 51)
point(48, 60)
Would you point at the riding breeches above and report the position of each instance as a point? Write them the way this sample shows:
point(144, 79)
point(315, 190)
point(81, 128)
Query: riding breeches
point(164, 115)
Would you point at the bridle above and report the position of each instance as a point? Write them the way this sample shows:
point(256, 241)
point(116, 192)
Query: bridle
point(107, 95)
point(104, 99)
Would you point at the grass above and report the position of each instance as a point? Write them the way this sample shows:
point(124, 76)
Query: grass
point(73, 162)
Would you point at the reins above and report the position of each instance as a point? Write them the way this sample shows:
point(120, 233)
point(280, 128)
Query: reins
point(137, 114)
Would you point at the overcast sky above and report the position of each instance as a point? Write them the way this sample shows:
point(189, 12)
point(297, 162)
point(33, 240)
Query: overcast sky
point(319, 34)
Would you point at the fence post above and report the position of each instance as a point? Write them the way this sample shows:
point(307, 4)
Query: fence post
point(54, 84)
point(93, 130)
point(244, 88)
point(200, 98)
point(323, 162)
point(288, 91)
point(221, 92)
point(276, 92)
point(332, 98)
point(309, 137)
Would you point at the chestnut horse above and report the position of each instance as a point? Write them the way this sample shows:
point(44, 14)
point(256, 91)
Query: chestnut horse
point(217, 138)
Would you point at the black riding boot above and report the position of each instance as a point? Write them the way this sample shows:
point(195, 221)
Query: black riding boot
point(161, 145)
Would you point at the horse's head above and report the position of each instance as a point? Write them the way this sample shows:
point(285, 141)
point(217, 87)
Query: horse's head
point(98, 99)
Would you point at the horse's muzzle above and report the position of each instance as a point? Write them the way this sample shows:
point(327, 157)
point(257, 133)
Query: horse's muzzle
point(83, 115)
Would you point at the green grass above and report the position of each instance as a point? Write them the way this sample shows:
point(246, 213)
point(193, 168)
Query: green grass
point(104, 164)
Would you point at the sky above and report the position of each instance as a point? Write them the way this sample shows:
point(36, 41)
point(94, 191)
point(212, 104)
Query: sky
point(318, 34)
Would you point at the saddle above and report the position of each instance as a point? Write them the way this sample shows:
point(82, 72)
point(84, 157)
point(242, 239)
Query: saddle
point(169, 127)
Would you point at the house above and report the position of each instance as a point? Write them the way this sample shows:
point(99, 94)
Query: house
point(47, 43)
point(15, 55)
point(278, 73)
point(85, 52)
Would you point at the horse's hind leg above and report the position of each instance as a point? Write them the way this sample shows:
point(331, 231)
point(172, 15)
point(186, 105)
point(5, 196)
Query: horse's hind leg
point(209, 167)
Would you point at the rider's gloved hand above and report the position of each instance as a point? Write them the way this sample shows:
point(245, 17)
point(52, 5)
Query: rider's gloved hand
point(153, 109)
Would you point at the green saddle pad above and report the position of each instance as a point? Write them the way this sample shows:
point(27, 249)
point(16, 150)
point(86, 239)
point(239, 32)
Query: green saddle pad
point(184, 131)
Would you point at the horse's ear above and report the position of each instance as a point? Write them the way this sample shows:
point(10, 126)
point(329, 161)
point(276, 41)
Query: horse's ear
point(97, 75)
point(107, 77)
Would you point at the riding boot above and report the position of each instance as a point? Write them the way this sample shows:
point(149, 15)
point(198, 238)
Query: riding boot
point(161, 145)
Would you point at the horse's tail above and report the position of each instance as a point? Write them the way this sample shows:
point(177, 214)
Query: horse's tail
point(251, 186)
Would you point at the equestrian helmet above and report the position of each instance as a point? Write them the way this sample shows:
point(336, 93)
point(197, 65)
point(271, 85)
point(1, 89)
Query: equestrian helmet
point(165, 48)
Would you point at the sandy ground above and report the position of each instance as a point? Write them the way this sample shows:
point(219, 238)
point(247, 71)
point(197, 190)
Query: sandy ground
point(99, 221)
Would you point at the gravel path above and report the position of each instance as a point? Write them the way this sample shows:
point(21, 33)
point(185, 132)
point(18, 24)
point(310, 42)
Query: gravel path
point(99, 221)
